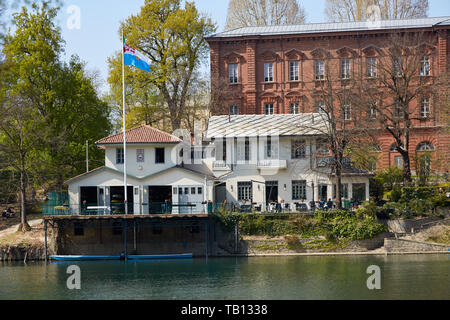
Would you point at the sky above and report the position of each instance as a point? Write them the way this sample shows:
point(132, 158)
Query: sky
point(96, 37)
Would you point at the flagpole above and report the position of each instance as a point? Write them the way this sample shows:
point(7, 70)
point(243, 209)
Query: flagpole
point(124, 130)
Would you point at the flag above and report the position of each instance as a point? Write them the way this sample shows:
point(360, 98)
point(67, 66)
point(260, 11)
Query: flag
point(132, 57)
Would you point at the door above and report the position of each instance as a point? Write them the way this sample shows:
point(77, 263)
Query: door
point(101, 200)
point(271, 191)
point(137, 200)
point(323, 192)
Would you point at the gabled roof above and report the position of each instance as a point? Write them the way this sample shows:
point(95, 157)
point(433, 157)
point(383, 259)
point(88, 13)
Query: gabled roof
point(305, 124)
point(104, 168)
point(334, 27)
point(141, 134)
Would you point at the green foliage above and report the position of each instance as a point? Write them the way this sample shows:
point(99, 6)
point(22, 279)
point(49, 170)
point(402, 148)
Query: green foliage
point(376, 187)
point(173, 38)
point(369, 208)
point(390, 177)
point(395, 194)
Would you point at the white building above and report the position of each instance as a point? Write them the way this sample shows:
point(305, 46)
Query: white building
point(155, 183)
point(248, 159)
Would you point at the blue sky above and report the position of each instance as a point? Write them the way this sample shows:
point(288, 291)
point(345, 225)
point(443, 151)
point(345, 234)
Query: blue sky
point(97, 38)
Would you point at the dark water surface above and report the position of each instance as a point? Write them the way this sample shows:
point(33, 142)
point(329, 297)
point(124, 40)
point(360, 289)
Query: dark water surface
point(291, 278)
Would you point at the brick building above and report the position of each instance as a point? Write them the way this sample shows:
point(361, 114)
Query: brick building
point(276, 70)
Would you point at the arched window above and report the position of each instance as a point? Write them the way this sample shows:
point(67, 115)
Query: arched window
point(425, 146)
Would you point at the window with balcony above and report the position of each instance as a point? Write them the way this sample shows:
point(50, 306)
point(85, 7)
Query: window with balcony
point(371, 65)
point(119, 156)
point(293, 108)
point(268, 72)
point(294, 71)
point(268, 108)
point(425, 108)
point(319, 69)
point(298, 149)
point(298, 190)
point(345, 69)
point(243, 149)
point(233, 73)
point(425, 66)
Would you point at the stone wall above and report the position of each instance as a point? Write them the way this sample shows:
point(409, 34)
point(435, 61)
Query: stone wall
point(402, 245)
point(412, 225)
point(9, 253)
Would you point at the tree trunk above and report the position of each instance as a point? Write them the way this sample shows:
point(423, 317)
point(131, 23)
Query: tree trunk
point(23, 226)
point(338, 187)
point(406, 169)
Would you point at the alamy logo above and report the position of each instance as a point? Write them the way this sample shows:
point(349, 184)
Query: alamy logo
point(74, 20)
point(74, 280)
point(373, 16)
point(374, 281)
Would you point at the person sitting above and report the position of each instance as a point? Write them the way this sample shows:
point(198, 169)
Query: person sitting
point(330, 204)
point(8, 213)
point(312, 204)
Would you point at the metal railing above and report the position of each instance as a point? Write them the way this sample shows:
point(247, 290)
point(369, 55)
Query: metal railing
point(94, 209)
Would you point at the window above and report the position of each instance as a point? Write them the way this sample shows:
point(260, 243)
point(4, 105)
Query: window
point(159, 155)
point(233, 73)
point(180, 191)
point(345, 69)
point(119, 156)
point(320, 106)
point(398, 111)
point(347, 112)
point(234, 110)
point(243, 150)
point(425, 66)
point(371, 67)
point(397, 66)
point(186, 190)
point(245, 191)
point(298, 190)
point(425, 146)
point(193, 190)
point(199, 190)
point(425, 108)
point(398, 161)
point(268, 108)
point(293, 71)
point(319, 69)
point(373, 111)
point(140, 155)
point(270, 149)
point(268, 72)
point(298, 149)
point(293, 108)
point(372, 164)
point(322, 147)
point(78, 229)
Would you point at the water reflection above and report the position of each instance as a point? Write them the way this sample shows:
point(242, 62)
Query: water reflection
point(306, 277)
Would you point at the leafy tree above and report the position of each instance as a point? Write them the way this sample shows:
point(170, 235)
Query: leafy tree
point(359, 10)
point(173, 39)
point(247, 13)
point(51, 108)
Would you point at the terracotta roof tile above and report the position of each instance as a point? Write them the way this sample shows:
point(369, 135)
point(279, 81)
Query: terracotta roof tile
point(141, 134)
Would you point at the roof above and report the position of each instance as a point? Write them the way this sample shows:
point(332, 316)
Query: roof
point(100, 169)
point(141, 134)
point(305, 124)
point(335, 27)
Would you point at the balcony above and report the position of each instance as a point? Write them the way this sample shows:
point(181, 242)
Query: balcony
point(327, 162)
point(221, 165)
point(272, 164)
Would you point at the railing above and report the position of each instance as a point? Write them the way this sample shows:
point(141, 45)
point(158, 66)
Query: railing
point(94, 209)
point(221, 166)
point(278, 164)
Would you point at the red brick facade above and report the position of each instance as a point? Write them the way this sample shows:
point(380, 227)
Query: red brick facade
point(252, 92)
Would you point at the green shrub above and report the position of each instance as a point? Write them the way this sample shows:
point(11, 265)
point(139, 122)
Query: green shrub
point(395, 194)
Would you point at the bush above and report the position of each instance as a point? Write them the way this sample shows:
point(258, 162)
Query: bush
point(390, 177)
point(395, 194)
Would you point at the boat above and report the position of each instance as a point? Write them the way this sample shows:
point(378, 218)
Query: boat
point(133, 257)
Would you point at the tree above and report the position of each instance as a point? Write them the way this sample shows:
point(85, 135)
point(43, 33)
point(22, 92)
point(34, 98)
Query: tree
point(174, 40)
point(360, 10)
point(399, 84)
point(51, 107)
point(247, 13)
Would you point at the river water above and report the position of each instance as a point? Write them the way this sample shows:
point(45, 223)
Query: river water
point(290, 278)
